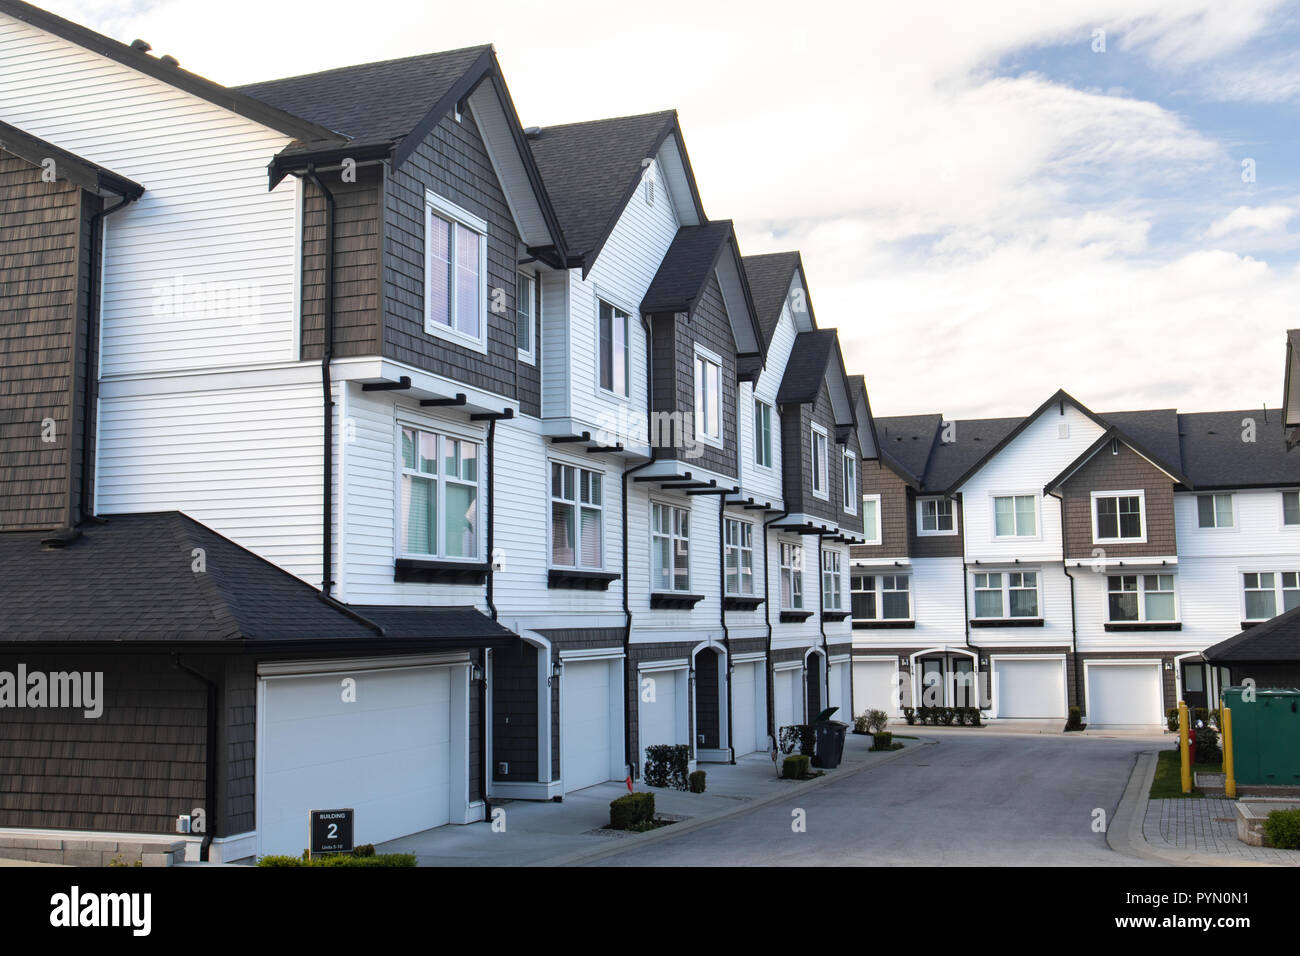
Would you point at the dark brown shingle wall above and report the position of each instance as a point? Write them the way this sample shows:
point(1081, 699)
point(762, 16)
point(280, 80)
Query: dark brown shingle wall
point(1125, 471)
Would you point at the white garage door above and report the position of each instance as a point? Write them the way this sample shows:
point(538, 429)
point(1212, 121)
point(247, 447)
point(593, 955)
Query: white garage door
point(659, 718)
point(585, 736)
point(1030, 689)
point(1124, 695)
point(387, 754)
point(749, 709)
point(784, 687)
point(874, 687)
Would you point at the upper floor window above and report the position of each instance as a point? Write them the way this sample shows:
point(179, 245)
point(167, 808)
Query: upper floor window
point(708, 397)
point(1291, 508)
point(439, 479)
point(820, 461)
point(738, 544)
point(613, 349)
point(1117, 516)
point(871, 518)
point(1214, 511)
point(455, 287)
point(670, 540)
point(935, 516)
point(881, 597)
point(832, 585)
point(1015, 516)
point(1140, 597)
point(849, 487)
point(526, 302)
point(791, 576)
point(1006, 594)
point(1269, 593)
point(762, 434)
point(577, 517)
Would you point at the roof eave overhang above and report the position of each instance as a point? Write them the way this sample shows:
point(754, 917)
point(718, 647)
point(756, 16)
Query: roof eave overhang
point(329, 156)
point(1114, 433)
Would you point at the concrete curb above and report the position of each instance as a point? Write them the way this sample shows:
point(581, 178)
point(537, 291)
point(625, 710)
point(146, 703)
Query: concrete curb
point(695, 823)
point(1125, 836)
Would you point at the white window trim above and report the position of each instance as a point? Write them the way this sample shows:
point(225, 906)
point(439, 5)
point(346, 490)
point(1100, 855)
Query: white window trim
point(1006, 593)
point(1142, 516)
point(825, 493)
point(782, 567)
point(920, 532)
point(577, 506)
point(834, 573)
point(880, 531)
point(1215, 528)
point(433, 203)
point(740, 550)
point(529, 355)
point(714, 359)
point(993, 515)
point(876, 574)
point(1141, 593)
point(771, 434)
point(852, 507)
point(1281, 504)
point(599, 296)
point(400, 469)
point(1277, 571)
point(672, 536)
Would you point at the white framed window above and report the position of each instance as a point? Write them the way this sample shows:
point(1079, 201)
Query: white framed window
point(832, 583)
point(791, 576)
point(613, 347)
point(1291, 509)
point(708, 396)
point(762, 434)
point(881, 597)
point(1270, 593)
point(439, 496)
point(820, 462)
point(455, 273)
point(527, 303)
point(871, 518)
point(1006, 594)
point(1118, 516)
point(670, 544)
point(849, 487)
point(738, 547)
point(1214, 511)
point(1139, 598)
point(1015, 516)
point(577, 518)
point(935, 516)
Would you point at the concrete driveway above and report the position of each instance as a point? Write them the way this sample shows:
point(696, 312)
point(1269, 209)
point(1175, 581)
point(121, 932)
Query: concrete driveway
point(977, 798)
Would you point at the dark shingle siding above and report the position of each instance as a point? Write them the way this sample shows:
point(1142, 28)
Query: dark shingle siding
point(711, 328)
point(1124, 471)
point(514, 712)
point(895, 507)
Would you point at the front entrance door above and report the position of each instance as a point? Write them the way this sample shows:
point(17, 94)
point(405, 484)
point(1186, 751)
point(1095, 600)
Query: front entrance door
point(1194, 685)
point(963, 683)
point(932, 689)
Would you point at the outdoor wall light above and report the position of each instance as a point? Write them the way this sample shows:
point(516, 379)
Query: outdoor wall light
point(476, 672)
point(557, 668)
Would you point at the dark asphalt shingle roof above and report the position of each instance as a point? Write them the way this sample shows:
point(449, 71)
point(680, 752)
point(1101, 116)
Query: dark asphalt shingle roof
point(1277, 639)
point(1155, 430)
point(1215, 456)
point(132, 579)
point(906, 439)
point(590, 169)
point(67, 165)
point(805, 370)
point(686, 267)
point(973, 439)
point(769, 282)
point(370, 103)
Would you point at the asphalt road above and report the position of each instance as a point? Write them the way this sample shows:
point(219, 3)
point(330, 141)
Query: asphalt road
point(973, 799)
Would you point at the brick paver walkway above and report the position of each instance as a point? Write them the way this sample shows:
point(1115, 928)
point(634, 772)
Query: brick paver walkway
point(1205, 826)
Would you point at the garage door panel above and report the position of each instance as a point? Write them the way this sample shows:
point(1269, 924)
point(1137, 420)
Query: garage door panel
point(1031, 689)
point(746, 686)
point(1124, 695)
point(659, 718)
point(585, 735)
point(874, 687)
point(784, 687)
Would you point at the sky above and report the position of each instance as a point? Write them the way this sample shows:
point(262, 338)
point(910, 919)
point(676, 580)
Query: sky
point(993, 200)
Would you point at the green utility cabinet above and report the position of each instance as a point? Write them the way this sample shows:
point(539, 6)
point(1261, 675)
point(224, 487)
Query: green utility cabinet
point(1265, 736)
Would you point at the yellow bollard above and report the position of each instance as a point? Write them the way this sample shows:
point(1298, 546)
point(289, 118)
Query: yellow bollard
point(1184, 749)
point(1229, 780)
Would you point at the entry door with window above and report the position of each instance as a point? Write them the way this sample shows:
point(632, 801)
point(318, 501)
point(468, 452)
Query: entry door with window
point(1194, 685)
point(963, 685)
point(932, 683)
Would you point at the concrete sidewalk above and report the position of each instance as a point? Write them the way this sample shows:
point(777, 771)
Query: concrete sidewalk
point(554, 834)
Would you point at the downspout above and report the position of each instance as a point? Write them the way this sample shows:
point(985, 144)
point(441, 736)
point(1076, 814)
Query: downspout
point(769, 676)
point(492, 610)
point(86, 505)
point(1074, 621)
point(821, 626)
point(327, 394)
point(210, 788)
point(722, 610)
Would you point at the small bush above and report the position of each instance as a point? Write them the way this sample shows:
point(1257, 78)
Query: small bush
point(877, 720)
point(789, 737)
point(1075, 720)
point(803, 736)
point(697, 781)
point(860, 725)
point(667, 765)
point(884, 740)
point(631, 809)
point(925, 715)
point(795, 767)
point(909, 715)
point(975, 717)
point(341, 859)
point(366, 849)
point(1171, 719)
point(1207, 746)
point(1282, 827)
point(947, 715)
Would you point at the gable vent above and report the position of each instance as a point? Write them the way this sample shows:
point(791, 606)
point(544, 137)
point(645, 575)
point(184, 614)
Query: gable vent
point(1063, 430)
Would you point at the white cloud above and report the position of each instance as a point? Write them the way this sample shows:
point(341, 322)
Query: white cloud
point(1267, 219)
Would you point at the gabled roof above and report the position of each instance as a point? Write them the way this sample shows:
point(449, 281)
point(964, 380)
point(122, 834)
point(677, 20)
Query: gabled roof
point(816, 358)
point(697, 253)
point(1277, 639)
point(1115, 433)
point(233, 100)
point(905, 443)
point(69, 166)
point(591, 170)
point(1215, 456)
point(770, 276)
point(134, 579)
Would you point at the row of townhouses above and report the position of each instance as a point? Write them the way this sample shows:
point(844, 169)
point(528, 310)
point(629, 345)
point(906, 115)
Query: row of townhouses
point(364, 448)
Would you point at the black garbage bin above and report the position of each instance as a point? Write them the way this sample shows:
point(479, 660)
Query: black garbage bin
point(830, 744)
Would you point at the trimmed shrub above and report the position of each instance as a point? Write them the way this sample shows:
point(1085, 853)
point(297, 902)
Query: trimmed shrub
point(1171, 719)
point(975, 717)
point(1282, 827)
point(667, 765)
point(909, 715)
point(877, 720)
point(795, 767)
point(860, 725)
point(697, 781)
point(1075, 720)
point(790, 738)
point(884, 740)
point(1207, 746)
point(631, 809)
point(947, 715)
point(341, 859)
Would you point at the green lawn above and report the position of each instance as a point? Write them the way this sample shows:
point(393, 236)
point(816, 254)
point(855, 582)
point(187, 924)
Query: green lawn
point(1168, 783)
